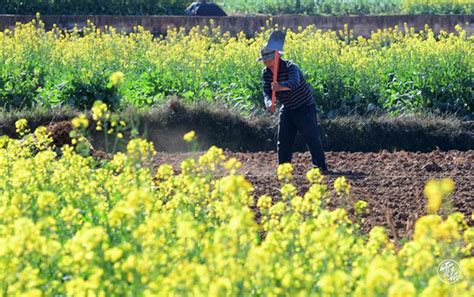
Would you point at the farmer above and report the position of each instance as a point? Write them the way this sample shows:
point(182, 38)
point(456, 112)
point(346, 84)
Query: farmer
point(298, 111)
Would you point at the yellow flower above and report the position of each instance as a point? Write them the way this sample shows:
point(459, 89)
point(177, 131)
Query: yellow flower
point(80, 122)
point(334, 283)
point(341, 186)
point(211, 159)
point(22, 127)
point(99, 110)
point(360, 206)
point(448, 230)
point(378, 235)
point(68, 213)
point(264, 202)
point(426, 226)
point(467, 268)
point(164, 172)
point(422, 261)
point(46, 199)
point(435, 191)
point(190, 136)
point(113, 254)
point(4, 141)
point(232, 165)
point(43, 138)
point(288, 191)
point(277, 209)
point(116, 78)
point(285, 172)
point(221, 287)
point(140, 150)
point(381, 272)
point(314, 176)
point(402, 288)
point(188, 166)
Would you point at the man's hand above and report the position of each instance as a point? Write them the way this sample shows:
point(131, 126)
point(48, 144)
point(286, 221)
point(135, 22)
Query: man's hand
point(279, 87)
point(268, 104)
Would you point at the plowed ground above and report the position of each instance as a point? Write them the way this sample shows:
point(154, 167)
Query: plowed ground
point(391, 182)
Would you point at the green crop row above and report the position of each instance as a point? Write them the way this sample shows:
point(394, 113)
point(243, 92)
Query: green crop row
point(94, 7)
point(350, 7)
point(309, 7)
point(391, 71)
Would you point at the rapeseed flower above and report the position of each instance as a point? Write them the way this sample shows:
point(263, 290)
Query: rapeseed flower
point(402, 288)
point(190, 136)
point(436, 191)
point(116, 78)
point(22, 127)
point(84, 229)
point(285, 172)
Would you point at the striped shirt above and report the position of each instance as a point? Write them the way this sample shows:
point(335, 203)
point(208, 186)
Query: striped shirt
point(289, 75)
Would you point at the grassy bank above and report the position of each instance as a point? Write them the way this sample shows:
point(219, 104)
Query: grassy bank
point(227, 128)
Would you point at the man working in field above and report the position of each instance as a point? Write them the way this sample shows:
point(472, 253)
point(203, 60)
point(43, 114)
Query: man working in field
point(298, 111)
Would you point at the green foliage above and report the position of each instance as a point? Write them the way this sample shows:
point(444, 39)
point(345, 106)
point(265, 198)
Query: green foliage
point(314, 7)
point(90, 7)
point(349, 7)
point(438, 6)
point(396, 70)
point(176, 7)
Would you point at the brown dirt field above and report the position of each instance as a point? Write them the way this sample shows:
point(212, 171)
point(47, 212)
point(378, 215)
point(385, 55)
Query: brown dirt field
point(391, 182)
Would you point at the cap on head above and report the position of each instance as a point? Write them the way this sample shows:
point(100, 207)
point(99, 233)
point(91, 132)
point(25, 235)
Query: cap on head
point(267, 54)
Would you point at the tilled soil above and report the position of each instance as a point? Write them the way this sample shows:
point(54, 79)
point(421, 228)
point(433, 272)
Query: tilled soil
point(391, 182)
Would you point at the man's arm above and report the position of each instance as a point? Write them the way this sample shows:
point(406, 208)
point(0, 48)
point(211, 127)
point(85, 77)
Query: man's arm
point(267, 91)
point(293, 77)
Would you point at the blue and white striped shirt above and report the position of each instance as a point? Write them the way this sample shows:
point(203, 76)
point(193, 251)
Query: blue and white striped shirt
point(289, 75)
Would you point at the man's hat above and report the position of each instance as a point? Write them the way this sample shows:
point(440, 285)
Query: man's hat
point(267, 54)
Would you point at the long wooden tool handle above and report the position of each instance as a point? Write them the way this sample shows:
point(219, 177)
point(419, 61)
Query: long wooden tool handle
point(275, 78)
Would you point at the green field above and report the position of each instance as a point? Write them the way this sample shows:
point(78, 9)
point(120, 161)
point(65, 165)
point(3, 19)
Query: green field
point(350, 7)
point(391, 71)
point(309, 7)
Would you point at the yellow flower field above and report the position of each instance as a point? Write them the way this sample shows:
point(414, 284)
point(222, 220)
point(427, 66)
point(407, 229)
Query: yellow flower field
point(395, 70)
point(71, 225)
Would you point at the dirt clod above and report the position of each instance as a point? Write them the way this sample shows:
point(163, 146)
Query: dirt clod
point(432, 167)
point(59, 132)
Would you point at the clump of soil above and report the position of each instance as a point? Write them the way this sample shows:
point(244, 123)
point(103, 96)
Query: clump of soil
point(59, 132)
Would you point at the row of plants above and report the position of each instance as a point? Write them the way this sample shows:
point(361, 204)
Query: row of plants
point(74, 225)
point(350, 7)
point(94, 7)
point(229, 129)
point(177, 7)
point(395, 70)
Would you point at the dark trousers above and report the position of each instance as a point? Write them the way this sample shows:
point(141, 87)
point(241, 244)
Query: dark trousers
point(301, 119)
